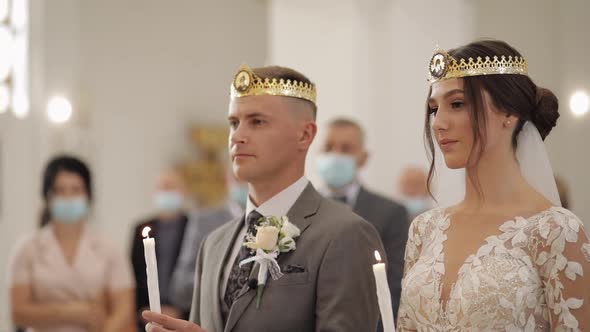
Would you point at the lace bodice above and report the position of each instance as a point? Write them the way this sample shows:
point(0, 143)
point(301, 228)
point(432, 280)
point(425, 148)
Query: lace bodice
point(531, 276)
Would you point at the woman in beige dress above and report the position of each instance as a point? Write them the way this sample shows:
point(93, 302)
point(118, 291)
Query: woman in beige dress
point(65, 277)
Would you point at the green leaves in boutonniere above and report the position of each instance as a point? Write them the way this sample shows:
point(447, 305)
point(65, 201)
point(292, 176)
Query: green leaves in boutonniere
point(274, 235)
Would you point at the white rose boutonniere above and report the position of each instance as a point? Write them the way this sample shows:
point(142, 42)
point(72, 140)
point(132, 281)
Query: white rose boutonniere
point(266, 238)
point(274, 235)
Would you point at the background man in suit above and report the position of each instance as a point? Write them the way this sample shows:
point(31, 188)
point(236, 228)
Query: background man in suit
point(328, 284)
point(413, 190)
point(201, 224)
point(168, 226)
point(344, 154)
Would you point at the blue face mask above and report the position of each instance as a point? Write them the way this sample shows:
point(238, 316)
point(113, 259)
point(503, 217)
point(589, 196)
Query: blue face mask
point(416, 206)
point(68, 210)
point(336, 170)
point(239, 193)
point(168, 201)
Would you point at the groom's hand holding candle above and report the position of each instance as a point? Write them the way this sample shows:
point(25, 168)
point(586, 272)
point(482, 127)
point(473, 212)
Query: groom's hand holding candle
point(168, 324)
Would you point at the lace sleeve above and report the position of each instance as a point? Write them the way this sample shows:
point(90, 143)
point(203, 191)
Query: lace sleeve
point(414, 244)
point(413, 251)
point(562, 256)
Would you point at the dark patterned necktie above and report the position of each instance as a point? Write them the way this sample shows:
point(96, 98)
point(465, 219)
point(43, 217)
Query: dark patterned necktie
point(341, 199)
point(238, 276)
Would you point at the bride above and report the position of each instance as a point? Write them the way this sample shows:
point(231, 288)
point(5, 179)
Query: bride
point(507, 257)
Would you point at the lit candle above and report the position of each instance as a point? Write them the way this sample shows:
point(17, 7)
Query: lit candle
point(149, 247)
point(383, 294)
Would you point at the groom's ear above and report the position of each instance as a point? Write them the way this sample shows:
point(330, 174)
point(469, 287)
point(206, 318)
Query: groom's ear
point(308, 133)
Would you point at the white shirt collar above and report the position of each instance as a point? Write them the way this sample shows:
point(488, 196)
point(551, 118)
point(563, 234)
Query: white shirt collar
point(280, 203)
point(351, 191)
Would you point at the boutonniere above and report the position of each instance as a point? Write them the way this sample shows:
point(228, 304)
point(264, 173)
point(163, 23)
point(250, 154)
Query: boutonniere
point(274, 235)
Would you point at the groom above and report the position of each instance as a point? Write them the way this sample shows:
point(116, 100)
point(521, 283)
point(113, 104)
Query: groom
point(327, 282)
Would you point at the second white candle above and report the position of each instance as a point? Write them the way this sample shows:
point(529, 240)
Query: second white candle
point(383, 294)
point(151, 264)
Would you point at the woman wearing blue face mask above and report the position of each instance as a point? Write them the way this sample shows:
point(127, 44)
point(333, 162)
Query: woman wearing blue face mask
point(66, 277)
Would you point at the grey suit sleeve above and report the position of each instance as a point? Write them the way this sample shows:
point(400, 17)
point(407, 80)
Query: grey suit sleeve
point(395, 239)
point(195, 315)
point(346, 294)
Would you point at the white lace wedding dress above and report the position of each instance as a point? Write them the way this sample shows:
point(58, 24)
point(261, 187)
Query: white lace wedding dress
point(532, 275)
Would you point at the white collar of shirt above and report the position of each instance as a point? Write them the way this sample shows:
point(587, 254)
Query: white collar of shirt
point(280, 203)
point(351, 191)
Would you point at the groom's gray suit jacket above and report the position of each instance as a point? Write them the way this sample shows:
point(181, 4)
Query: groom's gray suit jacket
point(328, 283)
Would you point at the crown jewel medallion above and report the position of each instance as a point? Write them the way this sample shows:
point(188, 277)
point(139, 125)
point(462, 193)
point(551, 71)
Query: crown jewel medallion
point(443, 66)
point(242, 81)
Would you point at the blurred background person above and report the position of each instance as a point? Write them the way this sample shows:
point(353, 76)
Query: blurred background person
point(66, 277)
point(413, 191)
point(201, 224)
point(343, 156)
point(168, 226)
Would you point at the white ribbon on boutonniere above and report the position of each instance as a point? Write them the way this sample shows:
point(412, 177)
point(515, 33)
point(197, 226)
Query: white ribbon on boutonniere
point(268, 263)
point(274, 235)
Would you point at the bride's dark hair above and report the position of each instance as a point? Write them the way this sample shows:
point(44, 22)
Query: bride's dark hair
point(514, 94)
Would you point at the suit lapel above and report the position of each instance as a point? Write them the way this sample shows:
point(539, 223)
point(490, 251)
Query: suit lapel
point(306, 206)
point(221, 252)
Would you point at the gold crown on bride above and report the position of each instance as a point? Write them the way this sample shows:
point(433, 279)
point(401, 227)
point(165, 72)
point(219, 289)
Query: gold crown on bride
point(247, 83)
point(443, 66)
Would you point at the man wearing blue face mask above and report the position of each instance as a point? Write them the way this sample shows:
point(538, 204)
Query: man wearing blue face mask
point(343, 155)
point(413, 191)
point(201, 224)
point(168, 226)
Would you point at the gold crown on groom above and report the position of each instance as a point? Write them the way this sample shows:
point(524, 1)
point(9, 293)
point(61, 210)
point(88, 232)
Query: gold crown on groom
point(247, 83)
point(443, 66)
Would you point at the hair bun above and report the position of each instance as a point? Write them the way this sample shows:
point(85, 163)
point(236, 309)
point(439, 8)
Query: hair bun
point(546, 113)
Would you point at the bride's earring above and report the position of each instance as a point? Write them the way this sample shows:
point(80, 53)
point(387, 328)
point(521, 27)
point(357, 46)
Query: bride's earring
point(507, 123)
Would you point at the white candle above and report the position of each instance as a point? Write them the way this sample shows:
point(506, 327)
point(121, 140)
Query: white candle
point(383, 295)
point(149, 248)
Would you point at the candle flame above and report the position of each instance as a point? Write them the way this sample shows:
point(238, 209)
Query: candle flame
point(146, 231)
point(377, 256)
